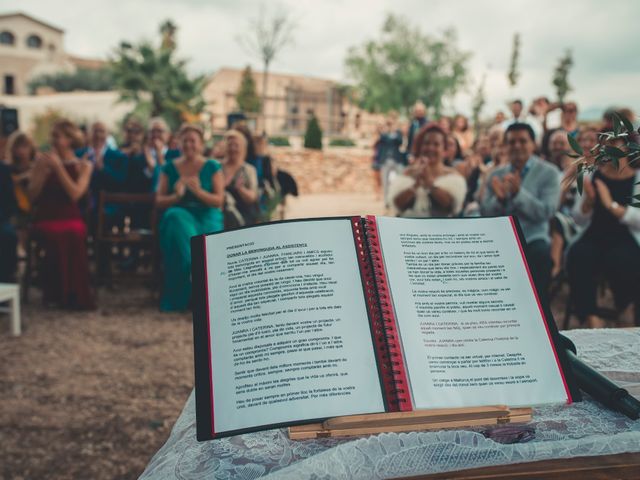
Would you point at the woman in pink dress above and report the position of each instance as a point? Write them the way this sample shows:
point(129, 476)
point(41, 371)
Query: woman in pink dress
point(59, 180)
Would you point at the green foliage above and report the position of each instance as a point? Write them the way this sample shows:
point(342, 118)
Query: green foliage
point(479, 100)
point(514, 74)
point(313, 135)
point(82, 79)
point(341, 142)
point(247, 97)
point(279, 141)
point(603, 151)
point(156, 81)
point(405, 65)
point(560, 78)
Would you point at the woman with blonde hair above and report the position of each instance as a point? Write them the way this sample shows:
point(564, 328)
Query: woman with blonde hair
point(241, 183)
point(191, 188)
point(20, 155)
point(59, 181)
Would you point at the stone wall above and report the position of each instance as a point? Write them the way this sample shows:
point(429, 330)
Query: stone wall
point(331, 170)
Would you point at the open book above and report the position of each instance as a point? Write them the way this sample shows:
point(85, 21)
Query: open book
point(303, 320)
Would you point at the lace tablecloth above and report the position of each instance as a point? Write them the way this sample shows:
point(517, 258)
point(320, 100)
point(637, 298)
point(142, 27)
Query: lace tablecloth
point(561, 431)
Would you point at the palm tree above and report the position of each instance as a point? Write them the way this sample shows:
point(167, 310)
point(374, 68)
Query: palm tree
point(155, 80)
point(168, 31)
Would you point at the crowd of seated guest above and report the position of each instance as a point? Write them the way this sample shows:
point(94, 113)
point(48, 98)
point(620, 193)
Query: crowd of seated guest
point(52, 198)
point(517, 166)
point(521, 166)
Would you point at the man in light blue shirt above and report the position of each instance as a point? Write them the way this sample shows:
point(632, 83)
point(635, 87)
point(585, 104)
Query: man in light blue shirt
point(528, 188)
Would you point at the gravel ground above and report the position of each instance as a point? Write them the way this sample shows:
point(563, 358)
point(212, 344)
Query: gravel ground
point(95, 395)
point(92, 395)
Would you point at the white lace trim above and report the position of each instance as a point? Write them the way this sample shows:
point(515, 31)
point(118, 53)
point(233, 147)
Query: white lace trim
point(561, 431)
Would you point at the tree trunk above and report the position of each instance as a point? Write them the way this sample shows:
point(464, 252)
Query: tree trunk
point(263, 120)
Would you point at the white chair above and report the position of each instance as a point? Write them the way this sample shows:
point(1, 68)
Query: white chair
point(10, 292)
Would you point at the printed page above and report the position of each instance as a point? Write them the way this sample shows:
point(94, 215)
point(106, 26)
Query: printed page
point(290, 335)
point(471, 328)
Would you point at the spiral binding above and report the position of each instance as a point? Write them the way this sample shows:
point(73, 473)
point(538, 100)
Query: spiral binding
point(387, 348)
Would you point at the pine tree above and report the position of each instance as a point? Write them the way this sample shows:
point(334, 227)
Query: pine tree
point(247, 97)
point(513, 75)
point(313, 135)
point(560, 78)
point(479, 101)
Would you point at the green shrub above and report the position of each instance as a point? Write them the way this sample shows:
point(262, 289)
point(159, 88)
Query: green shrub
point(279, 141)
point(313, 135)
point(342, 142)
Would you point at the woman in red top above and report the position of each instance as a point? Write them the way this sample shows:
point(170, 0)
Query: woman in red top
point(58, 181)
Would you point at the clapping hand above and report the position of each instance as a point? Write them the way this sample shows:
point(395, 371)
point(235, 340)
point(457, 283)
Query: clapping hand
point(192, 183)
point(51, 160)
point(151, 161)
point(41, 162)
point(512, 183)
point(425, 177)
point(157, 144)
point(180, 188)
point(499, 188)
point(239, 183)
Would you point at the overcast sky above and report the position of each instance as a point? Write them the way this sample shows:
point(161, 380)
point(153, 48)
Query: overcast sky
point(604, 38)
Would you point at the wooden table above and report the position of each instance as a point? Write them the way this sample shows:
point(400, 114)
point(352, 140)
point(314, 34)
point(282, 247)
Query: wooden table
point(625, 466)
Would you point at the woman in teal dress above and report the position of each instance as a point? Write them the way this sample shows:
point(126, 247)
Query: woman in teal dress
point(191, 188)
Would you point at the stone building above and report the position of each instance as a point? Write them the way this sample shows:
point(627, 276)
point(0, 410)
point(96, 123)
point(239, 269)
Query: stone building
point(290, 100)
point(30, 47)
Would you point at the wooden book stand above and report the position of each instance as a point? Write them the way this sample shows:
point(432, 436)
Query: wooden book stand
point(411, 421)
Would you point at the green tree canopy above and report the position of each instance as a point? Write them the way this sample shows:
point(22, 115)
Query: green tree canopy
point(247, 97)
point(405, 65)
point(156, 81)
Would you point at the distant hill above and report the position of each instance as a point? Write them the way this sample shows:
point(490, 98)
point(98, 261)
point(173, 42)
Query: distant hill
point(591, 114)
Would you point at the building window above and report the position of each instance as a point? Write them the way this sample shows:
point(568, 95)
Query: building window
point(9, 85)
point(7, 38)
point(34, 41)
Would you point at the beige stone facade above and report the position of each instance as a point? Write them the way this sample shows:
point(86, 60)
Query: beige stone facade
point(290, 101)
point(28, 48)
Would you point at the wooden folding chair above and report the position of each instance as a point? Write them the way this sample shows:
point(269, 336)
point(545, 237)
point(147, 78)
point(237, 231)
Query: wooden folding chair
point(116, 231)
